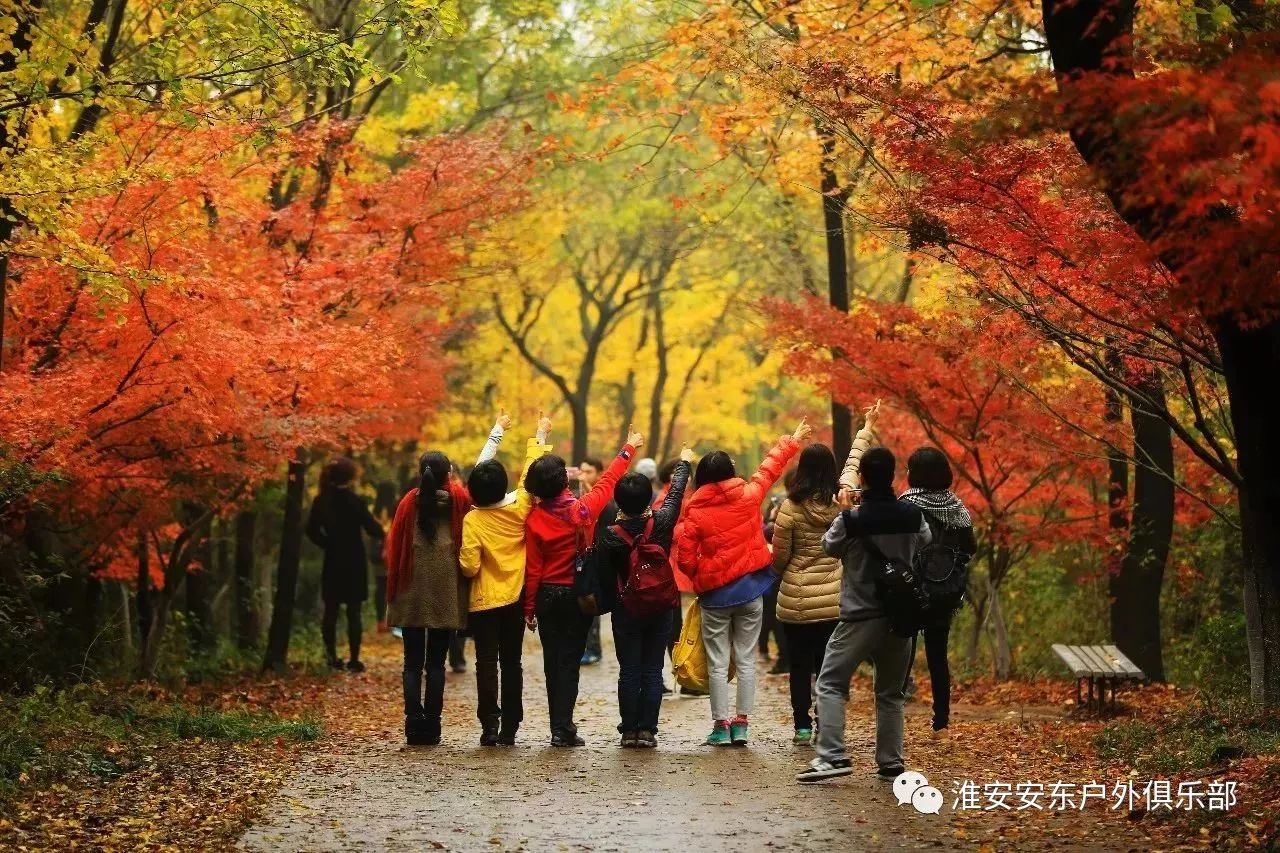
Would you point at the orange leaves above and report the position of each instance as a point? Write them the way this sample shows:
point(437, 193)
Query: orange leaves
point(242, 304)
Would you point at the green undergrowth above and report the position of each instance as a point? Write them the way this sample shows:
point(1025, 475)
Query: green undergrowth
point(55, 735)
point(1208, 732)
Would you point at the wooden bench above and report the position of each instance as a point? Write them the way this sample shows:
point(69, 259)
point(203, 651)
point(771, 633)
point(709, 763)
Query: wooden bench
point(1102, 667)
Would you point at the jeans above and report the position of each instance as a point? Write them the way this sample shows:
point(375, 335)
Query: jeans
point(499, 635)
point(425, 650)
point(329, 628)
point(936, 635)
point(563, 628)
point(593, 637)
point(807, 642)
point(641, 645)
point(732, 631)
point(852, 643)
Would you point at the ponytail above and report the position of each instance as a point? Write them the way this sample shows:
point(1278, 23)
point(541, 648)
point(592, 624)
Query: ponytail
point(433, 470)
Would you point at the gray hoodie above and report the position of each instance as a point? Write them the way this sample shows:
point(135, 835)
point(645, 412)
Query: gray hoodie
point(898, 528)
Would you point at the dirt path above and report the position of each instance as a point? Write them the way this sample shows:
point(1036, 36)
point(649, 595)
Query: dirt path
point(364, 790)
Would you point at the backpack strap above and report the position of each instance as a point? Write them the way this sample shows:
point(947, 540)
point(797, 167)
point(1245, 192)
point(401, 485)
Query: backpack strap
point(622, 534)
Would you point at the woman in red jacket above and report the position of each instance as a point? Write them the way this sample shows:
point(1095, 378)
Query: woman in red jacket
point(720, 546)
point(558, 528)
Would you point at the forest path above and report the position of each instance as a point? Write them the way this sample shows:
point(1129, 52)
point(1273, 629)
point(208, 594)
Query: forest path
point(362, 789)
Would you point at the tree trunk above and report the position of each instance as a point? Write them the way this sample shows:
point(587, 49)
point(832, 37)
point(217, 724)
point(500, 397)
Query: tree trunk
point(199, 573)
point(1001, 651)
point(1250, 362)
point(145, 614)
point(1135, 588)
point(833, 200)
point(246, 611)
point(287, 569)
point(578, 408)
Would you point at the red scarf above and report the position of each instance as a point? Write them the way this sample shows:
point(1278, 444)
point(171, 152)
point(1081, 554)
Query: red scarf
point(398, 551)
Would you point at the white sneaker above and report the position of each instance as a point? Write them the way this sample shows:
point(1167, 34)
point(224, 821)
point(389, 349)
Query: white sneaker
point(820, 769)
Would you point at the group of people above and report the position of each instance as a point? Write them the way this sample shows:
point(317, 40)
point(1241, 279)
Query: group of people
point(499, 561)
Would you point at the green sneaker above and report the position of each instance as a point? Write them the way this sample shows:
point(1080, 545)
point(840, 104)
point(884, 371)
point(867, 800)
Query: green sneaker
point(803, 737)
point(720, 735)
point(738, 730)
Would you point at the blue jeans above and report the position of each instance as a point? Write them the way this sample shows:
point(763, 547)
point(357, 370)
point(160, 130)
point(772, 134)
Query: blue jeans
point(641, 645)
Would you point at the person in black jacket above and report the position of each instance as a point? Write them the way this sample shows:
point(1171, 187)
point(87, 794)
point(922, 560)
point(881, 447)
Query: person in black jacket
point(929, 480)
point(338, 519)
point(640, 644)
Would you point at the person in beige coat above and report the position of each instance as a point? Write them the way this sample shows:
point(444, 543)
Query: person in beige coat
point(809, 592)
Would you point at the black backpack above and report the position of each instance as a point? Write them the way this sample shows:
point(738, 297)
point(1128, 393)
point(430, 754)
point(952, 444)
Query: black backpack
point(931, 586)
point(943, 569)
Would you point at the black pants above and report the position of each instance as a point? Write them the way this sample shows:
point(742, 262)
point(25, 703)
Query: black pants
point(770, 624)
point(563, 628)
point(380, 597)
point(329, 628)
point(424, 652)
point(458, 650)
point(499, 634)
point(936, 635)
point(593, 637)
point(807, 643)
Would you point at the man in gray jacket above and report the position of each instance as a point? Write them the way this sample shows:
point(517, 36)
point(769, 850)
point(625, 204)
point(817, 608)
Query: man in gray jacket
point(897, 529)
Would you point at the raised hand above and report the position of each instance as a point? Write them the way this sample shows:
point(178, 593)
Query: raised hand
point(504, 420)
point(687, 454)
point(544, 424)
point(803, 431)
point(871, 414)
point(634, 438)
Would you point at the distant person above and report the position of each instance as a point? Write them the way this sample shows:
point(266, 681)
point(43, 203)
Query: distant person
point(589, 471)
point(929, 480)
point(880, 529)
point(720, 546)
point(770, 625)
point(641, 627)
point(338, 520)
point(808, 602)
point(427, 594)
point(493, 556)
point(648, 468)
point(556, 531)
point(665, 474)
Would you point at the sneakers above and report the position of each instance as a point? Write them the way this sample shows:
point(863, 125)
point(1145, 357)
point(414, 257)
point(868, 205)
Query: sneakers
point(739, 731)
point(720, 735)
point(507, 736)
point(628, 740)
point(646, 740)
point(355, 666)
point(589, 658)
point(820, 770)
point(888, 774)
point(567, 741)
point(803, 737)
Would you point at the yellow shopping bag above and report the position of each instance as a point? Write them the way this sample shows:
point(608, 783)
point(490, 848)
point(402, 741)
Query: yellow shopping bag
point(689, 657)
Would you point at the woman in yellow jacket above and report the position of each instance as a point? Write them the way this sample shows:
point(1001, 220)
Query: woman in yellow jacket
point(809, 594)
point(493, 556)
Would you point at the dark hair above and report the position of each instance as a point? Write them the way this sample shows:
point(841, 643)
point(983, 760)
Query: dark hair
point(715, 467)
point(877, 467)
point(667, 471)
point(487, 483)
point(546, 477)
point(815, 477)
point(594, 463)
point(634, 493)
point(929, 469)
point(337, 472)
point(433, 475)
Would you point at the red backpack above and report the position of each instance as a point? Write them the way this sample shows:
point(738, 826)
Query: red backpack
point(650, 586)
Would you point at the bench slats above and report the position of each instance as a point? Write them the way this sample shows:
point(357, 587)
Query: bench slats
point(1091, 661)
point(1123, 664)
point(1071, 659)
